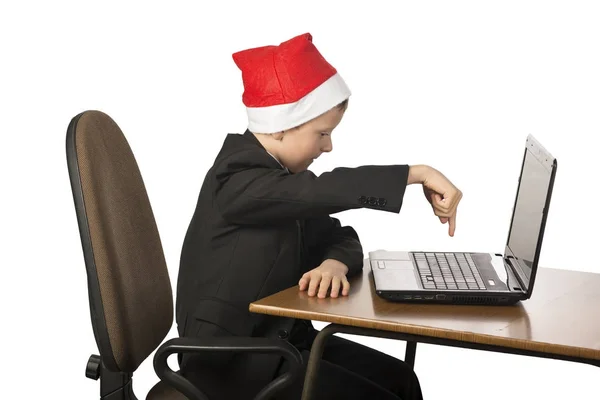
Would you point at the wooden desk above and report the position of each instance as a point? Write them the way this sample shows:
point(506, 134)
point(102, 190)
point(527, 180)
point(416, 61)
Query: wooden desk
point(560, 321)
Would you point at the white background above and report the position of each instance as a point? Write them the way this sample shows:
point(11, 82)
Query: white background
point(457, 85)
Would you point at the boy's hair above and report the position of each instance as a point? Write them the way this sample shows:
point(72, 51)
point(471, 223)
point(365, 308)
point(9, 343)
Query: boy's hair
point(343, 105)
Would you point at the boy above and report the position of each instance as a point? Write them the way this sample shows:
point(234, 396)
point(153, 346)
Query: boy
point(262, 225)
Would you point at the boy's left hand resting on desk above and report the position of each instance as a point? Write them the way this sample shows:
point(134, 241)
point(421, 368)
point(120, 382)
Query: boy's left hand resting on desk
point(331, 273)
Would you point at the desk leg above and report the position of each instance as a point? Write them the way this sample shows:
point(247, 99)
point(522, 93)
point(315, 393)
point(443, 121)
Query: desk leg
point(411, 347)
point(411, 350)
point(316, 352)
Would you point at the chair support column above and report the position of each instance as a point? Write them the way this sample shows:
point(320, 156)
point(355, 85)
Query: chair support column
point(113, 385)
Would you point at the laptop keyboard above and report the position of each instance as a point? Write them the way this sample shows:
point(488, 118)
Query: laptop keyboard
point(448, 271)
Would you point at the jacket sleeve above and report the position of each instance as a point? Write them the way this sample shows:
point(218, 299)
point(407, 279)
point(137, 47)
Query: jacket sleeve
point(246, 192)
point(326, 239)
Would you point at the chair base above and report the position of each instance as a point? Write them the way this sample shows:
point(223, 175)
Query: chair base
point(113, 385)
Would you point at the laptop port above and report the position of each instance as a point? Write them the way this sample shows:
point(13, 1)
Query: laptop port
point(407, 297)
point(428, 297)
point(417, 297)
point(440, 296)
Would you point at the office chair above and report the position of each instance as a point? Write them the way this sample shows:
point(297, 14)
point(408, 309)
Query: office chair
point(130, 294)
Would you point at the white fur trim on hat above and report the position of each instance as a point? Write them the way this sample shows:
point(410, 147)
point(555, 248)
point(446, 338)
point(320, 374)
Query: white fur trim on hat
point(278, 118)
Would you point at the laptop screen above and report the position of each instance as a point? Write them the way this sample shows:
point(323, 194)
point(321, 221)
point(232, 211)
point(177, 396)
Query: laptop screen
point(529, 210)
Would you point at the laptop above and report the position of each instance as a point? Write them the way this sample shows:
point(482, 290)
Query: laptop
point(476, 277)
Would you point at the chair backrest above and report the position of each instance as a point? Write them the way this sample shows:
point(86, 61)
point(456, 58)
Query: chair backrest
point(130, 294)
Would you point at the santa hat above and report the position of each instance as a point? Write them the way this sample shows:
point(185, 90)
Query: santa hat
point(288, 85)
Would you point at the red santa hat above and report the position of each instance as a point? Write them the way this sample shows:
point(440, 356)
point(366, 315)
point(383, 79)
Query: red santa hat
point(288, 85)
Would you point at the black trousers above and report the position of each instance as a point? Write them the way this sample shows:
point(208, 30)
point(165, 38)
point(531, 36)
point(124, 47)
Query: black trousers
point(349, 370)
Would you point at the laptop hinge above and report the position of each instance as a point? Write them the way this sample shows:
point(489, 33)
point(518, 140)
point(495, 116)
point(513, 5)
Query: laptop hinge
point(516, 273)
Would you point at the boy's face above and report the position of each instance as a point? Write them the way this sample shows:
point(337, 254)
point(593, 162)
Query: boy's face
point(299, 147)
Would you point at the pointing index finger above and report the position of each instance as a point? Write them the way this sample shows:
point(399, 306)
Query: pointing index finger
point(452, 224)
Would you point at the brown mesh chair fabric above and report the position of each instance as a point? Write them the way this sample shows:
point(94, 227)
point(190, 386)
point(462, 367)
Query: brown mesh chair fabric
point(130, 293)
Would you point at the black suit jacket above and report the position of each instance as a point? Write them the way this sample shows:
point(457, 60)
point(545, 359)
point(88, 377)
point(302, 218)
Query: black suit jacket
point(256, 229)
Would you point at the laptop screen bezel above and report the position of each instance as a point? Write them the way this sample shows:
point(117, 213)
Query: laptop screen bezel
point(536, 150)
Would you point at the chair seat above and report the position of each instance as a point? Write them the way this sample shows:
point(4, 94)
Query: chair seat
point(162, 391)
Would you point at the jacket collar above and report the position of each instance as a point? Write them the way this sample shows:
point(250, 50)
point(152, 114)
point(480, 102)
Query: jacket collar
point(253, 138)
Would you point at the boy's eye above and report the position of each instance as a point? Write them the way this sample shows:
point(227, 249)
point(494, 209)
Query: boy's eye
point(324, 134)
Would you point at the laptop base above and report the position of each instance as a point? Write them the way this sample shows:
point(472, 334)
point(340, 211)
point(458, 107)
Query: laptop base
point(459, 298)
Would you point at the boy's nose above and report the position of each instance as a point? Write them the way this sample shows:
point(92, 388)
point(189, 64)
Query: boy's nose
point(327, 147)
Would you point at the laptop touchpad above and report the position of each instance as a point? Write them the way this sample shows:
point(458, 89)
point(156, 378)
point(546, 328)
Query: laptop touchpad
point(399, 264)
point(396, 279)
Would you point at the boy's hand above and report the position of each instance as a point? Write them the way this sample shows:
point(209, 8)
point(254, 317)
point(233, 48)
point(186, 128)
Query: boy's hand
point(439, 191)
point(329, 273)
